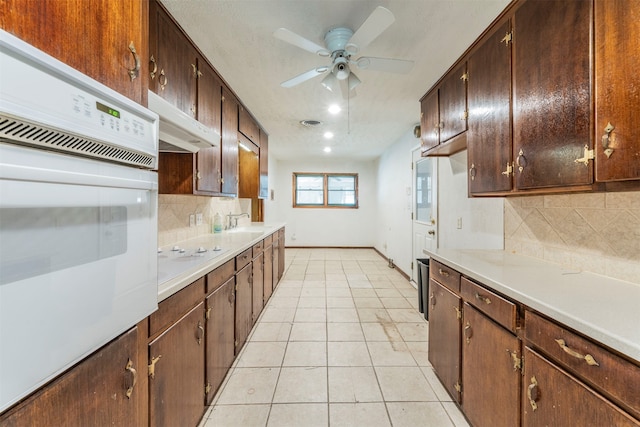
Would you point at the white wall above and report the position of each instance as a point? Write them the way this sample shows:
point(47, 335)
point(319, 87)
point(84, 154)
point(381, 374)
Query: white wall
point(394, 202)
point(324, 227)
point(482, 218)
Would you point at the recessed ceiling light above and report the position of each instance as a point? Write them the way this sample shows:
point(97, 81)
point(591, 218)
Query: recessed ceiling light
point(328, 135)
point(327, 149)
point(334, 109)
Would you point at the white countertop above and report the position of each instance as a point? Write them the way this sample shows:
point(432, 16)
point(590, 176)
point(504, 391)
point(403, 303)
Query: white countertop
point(176, 275)
point(605, 309)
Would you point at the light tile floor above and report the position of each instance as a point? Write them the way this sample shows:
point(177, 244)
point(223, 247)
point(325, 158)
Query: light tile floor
point(340, 343)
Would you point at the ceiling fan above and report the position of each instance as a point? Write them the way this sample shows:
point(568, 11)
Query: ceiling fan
point(342, 44)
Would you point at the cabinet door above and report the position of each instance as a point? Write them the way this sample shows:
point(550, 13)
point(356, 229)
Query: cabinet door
point(551, 93)
point(209, 173)
point(244, 304)
point(92, 393)
point(552, 397)
point(93, 39)
point(176, 384)
point(268, 273)
point(264, 165)
point(489, 98)
point(177, 67)
point(248, 126)
point(453, 103)
point(220, 347)
point(490, 379)
point(229, 143)
point(429, 121)
point(280, 255)
point(444, 336)
point(617, 60)
point(258, 286)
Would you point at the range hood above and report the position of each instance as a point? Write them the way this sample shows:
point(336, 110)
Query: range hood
point(178, 131)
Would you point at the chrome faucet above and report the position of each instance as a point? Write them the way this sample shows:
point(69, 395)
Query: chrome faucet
point(232, 219)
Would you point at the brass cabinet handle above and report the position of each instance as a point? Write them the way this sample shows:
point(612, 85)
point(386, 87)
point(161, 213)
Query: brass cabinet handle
point(432, 298)
point(154, 70)
point(134, 378)
point(482, 298)
point(468, 332)
point(521, 161)
point(472, 172)
point(133, 72)
point(606, 139)
point(200, 333)
point(587, 357)
point(162, 79)
point(533, 393)
point(444, 273)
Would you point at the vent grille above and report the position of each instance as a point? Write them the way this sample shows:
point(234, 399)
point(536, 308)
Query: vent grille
point(310, 123)
point(13, 130)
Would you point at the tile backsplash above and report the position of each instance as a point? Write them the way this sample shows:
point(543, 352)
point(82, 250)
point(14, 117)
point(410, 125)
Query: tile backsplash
point(597, 232)
point(174, 211)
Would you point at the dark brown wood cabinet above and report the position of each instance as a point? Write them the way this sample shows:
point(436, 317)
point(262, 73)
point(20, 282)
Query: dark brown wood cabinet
point(248, 126)
point(490, 371)
point(220, 352)
point(258, 281)
point(445, 313)
point(244, 298)
point(453, 103)
point(268, 269)
point(489, 102)
point(553, 397)
point(106, 41)
point(617, 60)
point(103, 389)
point(429, 121)
point(229, 143)
point(552, 94)
point(264, 166)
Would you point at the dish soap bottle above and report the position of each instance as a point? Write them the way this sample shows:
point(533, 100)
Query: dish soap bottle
point(217, 223)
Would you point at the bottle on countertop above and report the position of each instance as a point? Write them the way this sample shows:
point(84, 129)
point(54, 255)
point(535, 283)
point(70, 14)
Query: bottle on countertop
point(217, 223)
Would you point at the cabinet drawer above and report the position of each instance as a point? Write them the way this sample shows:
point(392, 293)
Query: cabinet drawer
point(613, 376)
point(174, 307)
point(220, 275)
point(243, 259)
point(444, 275)
point(257, 248)
point(499, 309)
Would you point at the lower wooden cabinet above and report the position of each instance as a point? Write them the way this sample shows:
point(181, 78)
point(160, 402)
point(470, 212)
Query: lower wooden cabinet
point(101, 390)
point(267, 284)
point(490, 371)
point(244, 306)
point(220, 348)
point(444, 336)
point(176, 373)
point(257, 287)
point(552, 397)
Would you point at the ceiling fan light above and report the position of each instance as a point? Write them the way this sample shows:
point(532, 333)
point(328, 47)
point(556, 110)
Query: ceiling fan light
point(341, 71)
point(353, 81)
point(330, 82)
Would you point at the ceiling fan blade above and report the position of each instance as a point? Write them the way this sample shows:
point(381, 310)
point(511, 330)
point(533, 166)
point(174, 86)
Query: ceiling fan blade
point(299, 41)
point(304, 76)
point(379, 20)
point(389, 65)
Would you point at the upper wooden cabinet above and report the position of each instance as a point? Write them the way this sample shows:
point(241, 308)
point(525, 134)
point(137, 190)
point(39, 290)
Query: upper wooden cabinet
point(617, 60)
point(453, 103)
point(105, 40)
point(489, 101)
point(229, 143)
point(429, 121)
point(552, 94)
point(264, 165)
point(248, 126)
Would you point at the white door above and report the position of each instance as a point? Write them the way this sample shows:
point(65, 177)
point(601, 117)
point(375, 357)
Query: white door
point(425, 207)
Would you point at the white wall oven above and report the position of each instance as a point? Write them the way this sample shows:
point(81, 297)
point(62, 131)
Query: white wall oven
point(78, 217)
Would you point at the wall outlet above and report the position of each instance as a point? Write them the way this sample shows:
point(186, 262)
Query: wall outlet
point(192, 220)
point(459, 225)
point(199, 219)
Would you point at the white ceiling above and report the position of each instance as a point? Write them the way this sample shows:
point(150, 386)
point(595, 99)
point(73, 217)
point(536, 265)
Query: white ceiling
point(237, 38)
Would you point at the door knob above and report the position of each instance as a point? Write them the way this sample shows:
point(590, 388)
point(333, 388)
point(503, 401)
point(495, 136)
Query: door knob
point(431, 232)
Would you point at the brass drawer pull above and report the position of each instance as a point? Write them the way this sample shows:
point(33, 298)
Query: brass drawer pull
point(533, 394)
point(133, 72)
point(468, 333)
point(432, 298)
point(134, 374)
point(154, 70)
point(484, 299)
point(442, 272)
point(587, 357)
point(607, 138)
point(200, 333)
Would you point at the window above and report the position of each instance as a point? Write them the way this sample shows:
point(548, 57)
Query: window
point(325, 190)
